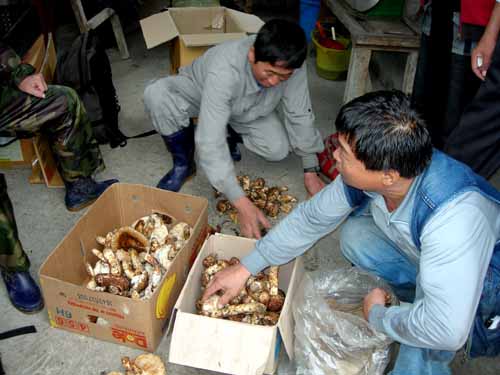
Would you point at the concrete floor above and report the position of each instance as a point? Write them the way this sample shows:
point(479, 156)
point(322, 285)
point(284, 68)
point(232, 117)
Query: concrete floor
point(43, 221)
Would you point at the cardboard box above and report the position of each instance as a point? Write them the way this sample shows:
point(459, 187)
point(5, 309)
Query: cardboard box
point(135, 323)
point(224, 345)
point(193, 30)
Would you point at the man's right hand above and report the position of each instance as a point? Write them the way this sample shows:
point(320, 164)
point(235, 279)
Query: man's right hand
point(250, 218)
point(230, 280)
point(34, 85)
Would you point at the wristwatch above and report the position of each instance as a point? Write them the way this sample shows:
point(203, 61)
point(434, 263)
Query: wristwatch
point(315, 169)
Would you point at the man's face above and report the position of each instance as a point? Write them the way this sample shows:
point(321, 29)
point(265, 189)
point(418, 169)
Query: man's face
point(353, 171)
point(266, 74)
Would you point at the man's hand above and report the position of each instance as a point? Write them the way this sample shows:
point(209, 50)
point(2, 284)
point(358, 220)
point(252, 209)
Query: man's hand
point(313, 183)
point(481, 56)
point(377, 296)
point(250, 218)
point(34, 85)
point(230, 280)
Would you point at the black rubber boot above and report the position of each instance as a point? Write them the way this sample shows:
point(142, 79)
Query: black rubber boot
point(233, 139)
point(181, 146)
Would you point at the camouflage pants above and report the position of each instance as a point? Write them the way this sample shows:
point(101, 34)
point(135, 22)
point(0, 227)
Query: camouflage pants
point(62, 117)
point(12, 255)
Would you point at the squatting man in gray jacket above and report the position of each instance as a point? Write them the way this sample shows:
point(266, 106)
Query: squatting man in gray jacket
point(237, 89)
point(419, 219)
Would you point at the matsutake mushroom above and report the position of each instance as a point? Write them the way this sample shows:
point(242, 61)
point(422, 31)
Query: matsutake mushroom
point(259, 302)
point(135, 258)
point(128, 237)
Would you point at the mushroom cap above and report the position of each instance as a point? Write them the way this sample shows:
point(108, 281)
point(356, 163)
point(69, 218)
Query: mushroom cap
point(150, 364)
point(128, 237)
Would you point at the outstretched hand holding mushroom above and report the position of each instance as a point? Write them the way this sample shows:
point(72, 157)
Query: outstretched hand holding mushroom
point(230, 281)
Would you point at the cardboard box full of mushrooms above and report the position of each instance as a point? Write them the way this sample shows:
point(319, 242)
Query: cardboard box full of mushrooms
point(118, 272)
point(246, 336)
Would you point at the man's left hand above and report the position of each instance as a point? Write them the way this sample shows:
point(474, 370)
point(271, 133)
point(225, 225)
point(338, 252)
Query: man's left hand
point(376, 297)
point(313, 183)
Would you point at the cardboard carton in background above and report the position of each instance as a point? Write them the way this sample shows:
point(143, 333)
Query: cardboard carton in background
point(136, 323)
point(224, 345)
point(193, 30)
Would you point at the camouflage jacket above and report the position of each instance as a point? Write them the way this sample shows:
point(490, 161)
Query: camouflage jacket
point(12, 72)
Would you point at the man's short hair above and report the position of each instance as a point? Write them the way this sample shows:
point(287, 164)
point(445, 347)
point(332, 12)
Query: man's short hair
point(281, 40)
point(386, 133)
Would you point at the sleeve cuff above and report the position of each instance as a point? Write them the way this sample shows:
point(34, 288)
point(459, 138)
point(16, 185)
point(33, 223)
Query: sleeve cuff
point(310, 161)
point(234, 192)
point(376, 317)
point(21, 72)
point(254, 262)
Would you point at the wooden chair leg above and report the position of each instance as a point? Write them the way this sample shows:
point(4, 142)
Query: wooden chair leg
point(120, 37)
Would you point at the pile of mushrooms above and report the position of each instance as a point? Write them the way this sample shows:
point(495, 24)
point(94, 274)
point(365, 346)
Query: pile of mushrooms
point(143, 364)
point(270, 199)
point(134, 258)
point(260, 302)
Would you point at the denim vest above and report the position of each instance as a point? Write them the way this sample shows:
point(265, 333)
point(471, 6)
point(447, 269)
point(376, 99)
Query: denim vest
point(442, 181)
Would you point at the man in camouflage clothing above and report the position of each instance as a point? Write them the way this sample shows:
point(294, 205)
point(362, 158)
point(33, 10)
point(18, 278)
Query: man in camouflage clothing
point(29, 106)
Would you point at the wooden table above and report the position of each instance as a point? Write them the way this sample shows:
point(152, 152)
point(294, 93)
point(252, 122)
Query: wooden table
point(369, 35)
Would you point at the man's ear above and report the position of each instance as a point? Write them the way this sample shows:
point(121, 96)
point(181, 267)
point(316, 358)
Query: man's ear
point(390, 177)
point(251, 55)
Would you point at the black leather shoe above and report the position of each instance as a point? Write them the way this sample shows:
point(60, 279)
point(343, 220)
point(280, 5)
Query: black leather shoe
point(23, 291)
point(84, 191)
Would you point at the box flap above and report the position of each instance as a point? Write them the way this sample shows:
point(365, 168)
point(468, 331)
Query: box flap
point(286, 323)
point(197, 349)
point(158, 28)
point(199, 40)
point(247, 22)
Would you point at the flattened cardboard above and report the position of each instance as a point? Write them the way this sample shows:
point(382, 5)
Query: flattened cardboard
point(138, 324)
point(223, 345)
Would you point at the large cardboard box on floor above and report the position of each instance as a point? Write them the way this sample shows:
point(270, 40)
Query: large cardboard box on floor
point(136, 323)
point(224, 345)
point(193, 30)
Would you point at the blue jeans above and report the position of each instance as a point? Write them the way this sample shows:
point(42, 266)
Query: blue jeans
point(366, 247)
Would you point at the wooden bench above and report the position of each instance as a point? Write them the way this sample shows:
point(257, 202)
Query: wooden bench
point(368, 35)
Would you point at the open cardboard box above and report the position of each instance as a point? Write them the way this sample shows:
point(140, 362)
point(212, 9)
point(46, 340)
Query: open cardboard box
point(136, 323)
point(193, 30)
point(224, 345)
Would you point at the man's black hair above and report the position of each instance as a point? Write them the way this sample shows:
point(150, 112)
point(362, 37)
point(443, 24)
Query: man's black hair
point(386, 133)
point(281, 40)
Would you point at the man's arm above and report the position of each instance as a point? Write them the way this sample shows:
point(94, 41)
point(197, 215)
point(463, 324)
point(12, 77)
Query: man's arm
point(12, 71)
point(456, 250)
point(481, 55)
point(304, 138)
point(213, 150)
point(296, 233)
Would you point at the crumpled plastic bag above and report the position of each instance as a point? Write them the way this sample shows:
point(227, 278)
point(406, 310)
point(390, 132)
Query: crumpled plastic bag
point(331, 335)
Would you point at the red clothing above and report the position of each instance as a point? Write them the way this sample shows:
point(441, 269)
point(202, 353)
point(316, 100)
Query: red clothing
point(476, 12)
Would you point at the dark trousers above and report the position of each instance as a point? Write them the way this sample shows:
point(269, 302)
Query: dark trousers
point(442, 112)
point(476, 140)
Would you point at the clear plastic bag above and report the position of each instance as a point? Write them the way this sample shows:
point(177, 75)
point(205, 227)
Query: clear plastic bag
point(331, 335)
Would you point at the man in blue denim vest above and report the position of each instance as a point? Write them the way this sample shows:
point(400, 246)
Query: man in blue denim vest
point(422, 221)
